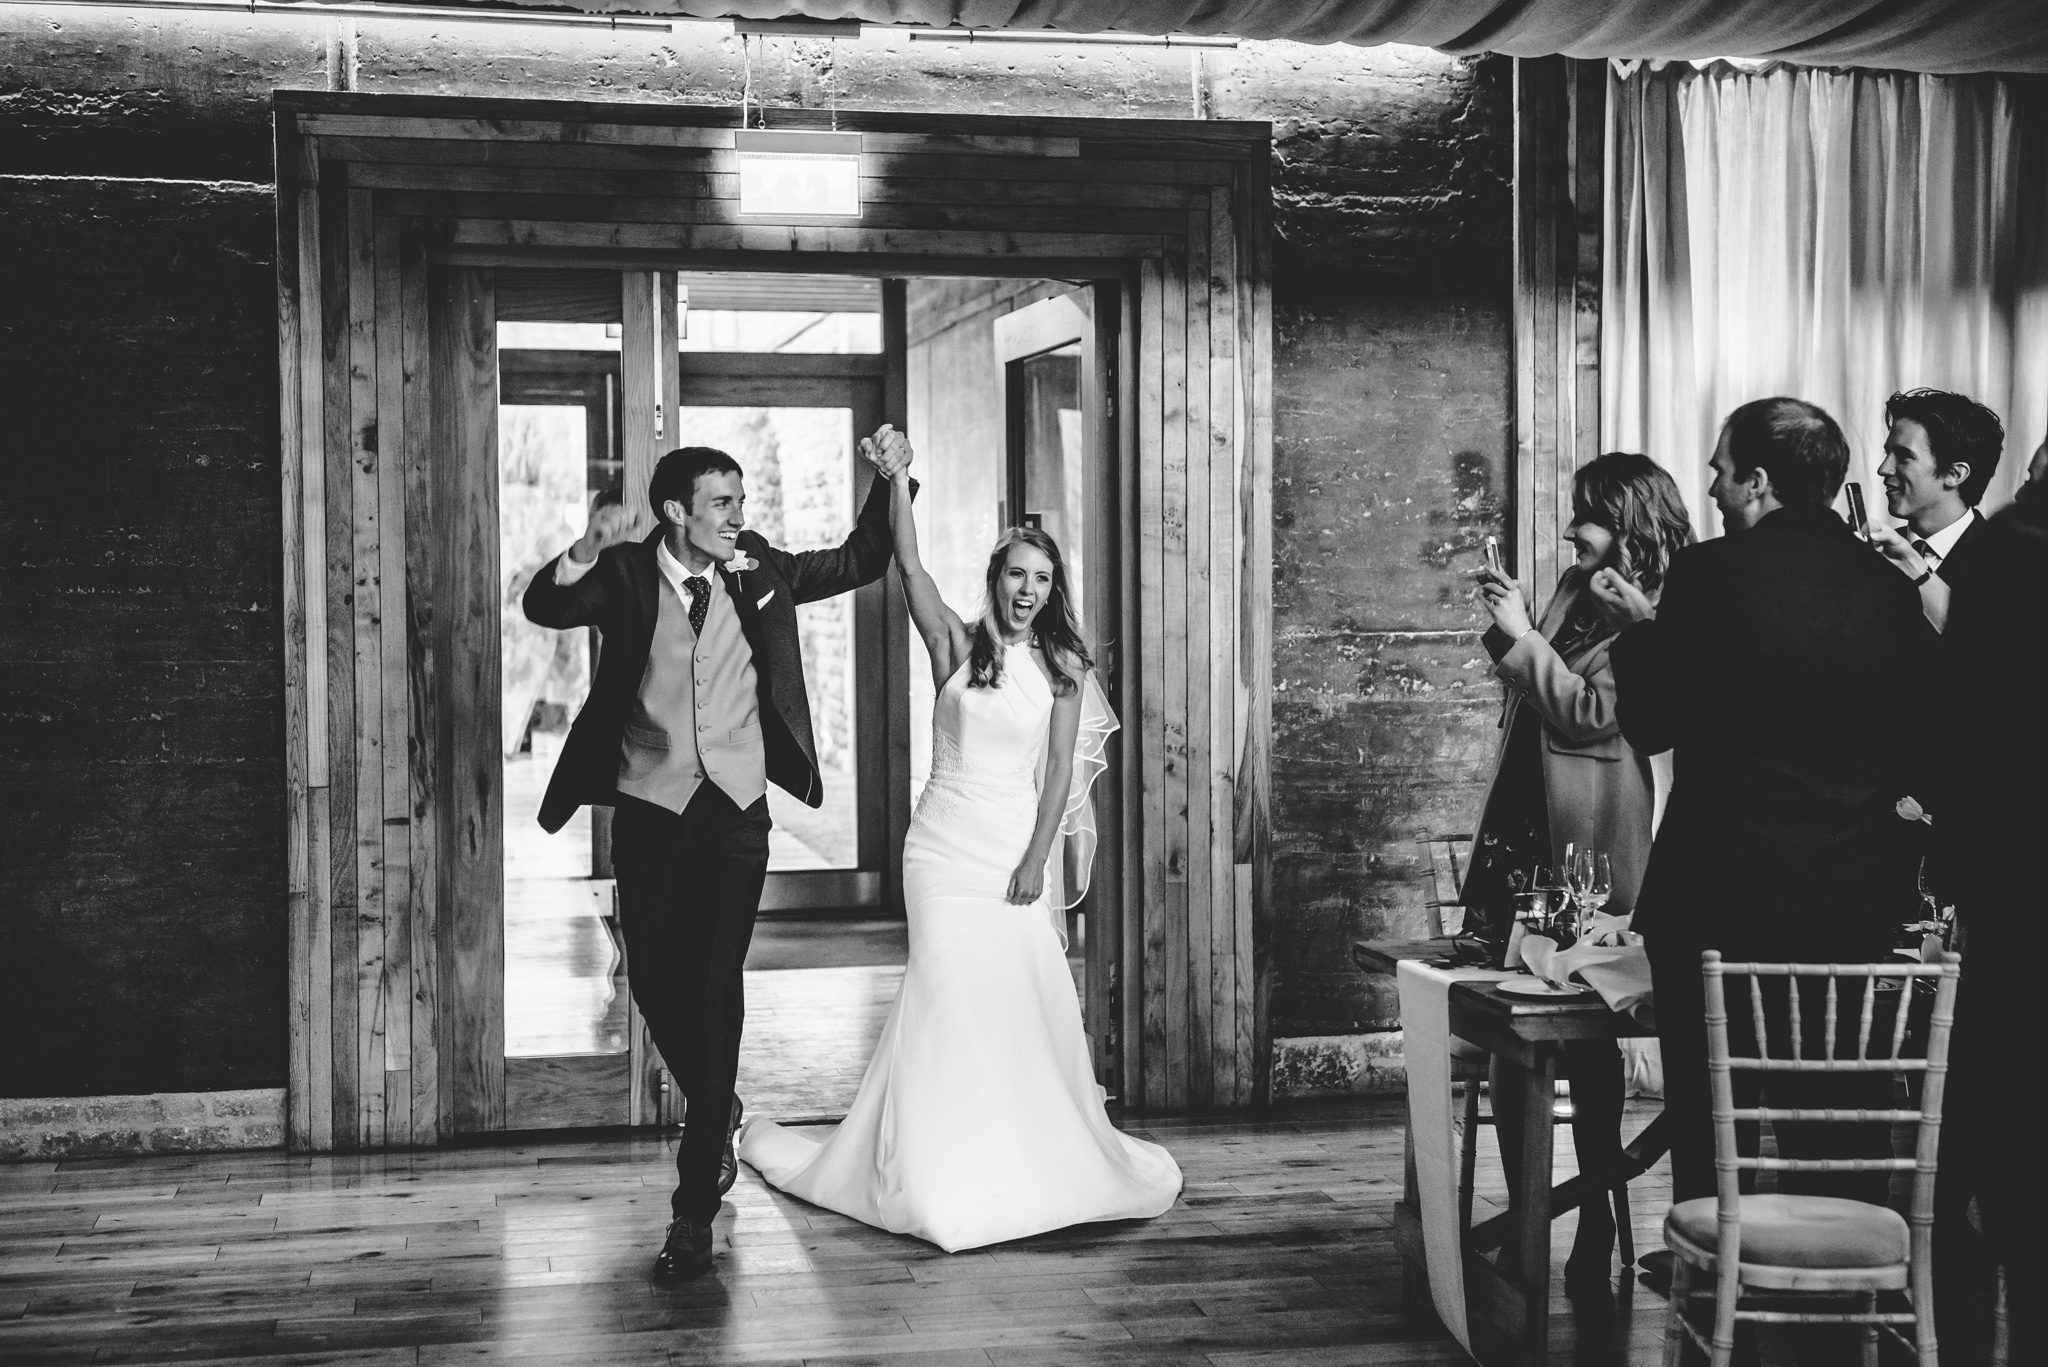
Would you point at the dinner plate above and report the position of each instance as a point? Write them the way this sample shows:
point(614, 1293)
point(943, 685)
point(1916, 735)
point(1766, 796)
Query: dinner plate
point(1528, 985)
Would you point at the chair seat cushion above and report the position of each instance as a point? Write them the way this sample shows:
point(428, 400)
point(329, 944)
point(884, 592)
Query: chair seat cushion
point(1801, 1231)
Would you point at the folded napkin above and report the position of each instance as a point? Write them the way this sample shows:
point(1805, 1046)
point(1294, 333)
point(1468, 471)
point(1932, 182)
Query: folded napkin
point(1610, 960)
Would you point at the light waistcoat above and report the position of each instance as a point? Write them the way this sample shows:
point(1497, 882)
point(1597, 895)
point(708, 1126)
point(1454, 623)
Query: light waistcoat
point(697, 715)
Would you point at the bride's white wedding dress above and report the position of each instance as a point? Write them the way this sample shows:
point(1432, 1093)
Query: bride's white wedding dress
point(979, 1119)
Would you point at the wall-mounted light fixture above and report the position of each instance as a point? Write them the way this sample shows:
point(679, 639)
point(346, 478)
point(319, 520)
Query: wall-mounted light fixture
point(798, 28)
point(798, 174)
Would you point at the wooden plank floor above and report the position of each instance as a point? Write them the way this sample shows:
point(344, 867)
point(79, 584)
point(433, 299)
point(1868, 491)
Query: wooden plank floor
point(1278, 1253)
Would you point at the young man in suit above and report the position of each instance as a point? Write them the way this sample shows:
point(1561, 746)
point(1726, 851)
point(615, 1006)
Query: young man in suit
point(698, 703)
point(1940, 451)
point(1773, 667)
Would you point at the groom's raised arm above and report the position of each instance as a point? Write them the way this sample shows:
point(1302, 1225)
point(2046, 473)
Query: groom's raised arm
point(860, 559)
point(550, 602)
point(566, 592)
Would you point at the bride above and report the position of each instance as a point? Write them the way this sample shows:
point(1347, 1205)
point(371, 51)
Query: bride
point(978, 1119)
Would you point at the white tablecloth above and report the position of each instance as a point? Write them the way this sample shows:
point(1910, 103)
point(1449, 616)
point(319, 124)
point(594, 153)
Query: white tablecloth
point(1426, 1044)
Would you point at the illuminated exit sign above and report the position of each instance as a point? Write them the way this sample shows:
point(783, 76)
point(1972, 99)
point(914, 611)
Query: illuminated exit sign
point(798, 175)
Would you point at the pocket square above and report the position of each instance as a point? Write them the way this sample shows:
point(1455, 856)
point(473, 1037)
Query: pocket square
point(764, 600)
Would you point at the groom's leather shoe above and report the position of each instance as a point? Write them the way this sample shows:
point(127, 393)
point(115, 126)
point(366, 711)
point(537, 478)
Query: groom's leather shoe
point(685, 1254)
point(729, 1161)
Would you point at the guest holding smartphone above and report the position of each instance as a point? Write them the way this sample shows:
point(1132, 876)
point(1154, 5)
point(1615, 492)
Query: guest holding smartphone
point(1566, 776)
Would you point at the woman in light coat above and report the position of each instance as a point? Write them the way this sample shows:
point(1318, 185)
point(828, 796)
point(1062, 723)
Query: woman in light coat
point(1566, 777)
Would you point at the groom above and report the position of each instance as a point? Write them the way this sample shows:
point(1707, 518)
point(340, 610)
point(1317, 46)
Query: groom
point(699, 701)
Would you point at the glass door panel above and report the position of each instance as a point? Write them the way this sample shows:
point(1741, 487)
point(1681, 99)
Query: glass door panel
point(563, 995)
point(1045, 400)
point(798, 464)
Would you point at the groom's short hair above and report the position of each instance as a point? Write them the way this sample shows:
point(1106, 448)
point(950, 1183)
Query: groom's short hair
point(675, 475)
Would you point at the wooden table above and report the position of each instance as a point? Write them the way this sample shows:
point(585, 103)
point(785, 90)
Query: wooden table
point(1509, 1310)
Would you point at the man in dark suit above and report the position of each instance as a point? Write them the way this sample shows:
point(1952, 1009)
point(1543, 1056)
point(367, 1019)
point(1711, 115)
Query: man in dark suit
point(1990, 822)
point(698, 704)
point(1990, 818)
point(1940, 452)
point(1773, 668)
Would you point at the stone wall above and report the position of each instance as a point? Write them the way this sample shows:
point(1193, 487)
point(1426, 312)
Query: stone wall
point(142, 940)
point(142, 883)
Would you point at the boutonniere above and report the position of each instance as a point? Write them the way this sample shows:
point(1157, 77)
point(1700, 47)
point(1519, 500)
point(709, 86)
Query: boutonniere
point(740, 563)
point(1909, 810)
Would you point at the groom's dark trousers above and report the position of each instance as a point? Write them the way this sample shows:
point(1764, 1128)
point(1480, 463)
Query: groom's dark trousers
point(689, 885)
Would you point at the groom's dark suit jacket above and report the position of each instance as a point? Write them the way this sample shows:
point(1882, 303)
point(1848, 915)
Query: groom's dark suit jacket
point(620, 596)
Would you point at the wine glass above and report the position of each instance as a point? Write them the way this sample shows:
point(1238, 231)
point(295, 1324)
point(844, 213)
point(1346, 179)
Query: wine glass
point(1533, 903)
point(1551, 882)
point(1592, 884)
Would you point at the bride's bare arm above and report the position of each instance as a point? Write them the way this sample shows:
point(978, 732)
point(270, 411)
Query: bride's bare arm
point(1028, 882)
point(945, 636)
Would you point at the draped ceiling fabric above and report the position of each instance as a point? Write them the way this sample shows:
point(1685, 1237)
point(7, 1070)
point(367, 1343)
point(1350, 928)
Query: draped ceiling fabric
point(1949, 36)
point(1834, 236)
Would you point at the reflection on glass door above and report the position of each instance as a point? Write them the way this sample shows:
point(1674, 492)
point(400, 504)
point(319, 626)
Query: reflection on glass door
point(1045, 406)
point(798, 464)
point(562, 995)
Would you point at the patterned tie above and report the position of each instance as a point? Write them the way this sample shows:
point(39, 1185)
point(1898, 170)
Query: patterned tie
point(700, 600)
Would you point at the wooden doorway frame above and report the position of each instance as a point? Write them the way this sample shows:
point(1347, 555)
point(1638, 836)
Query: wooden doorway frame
point(393, 214)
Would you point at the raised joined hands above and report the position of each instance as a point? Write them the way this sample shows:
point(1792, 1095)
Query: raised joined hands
point(888, 451)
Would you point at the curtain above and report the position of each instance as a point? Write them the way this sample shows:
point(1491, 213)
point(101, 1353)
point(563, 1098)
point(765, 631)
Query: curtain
point(1830, 235)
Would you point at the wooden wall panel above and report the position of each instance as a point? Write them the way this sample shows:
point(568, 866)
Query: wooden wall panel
point(340, 647)
point(423, 862)
point(1133, 932)
point(1160, 946)
point(1252, 845)
point(394, 989)
point(395, 210)
point(1219, 659)
point(312, 1072)
point(1172, 772)
point(1559, 125)
point(1203, 914)
point(292, 541)
point(639, 390)
point(368, 637)
point(463, 322)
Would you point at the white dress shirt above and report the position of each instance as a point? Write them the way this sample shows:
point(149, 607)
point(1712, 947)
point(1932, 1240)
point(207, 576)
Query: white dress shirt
point(1940, 543)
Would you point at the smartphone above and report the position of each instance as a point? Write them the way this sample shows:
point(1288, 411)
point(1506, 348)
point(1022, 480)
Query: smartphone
point(1493, 556)
point(1858, 519)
